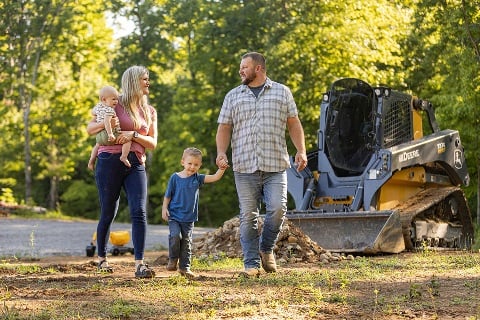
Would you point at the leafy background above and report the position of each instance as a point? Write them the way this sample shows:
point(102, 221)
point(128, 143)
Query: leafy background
point(56, 54)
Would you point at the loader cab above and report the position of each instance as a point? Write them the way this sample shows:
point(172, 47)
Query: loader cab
point(350, 127)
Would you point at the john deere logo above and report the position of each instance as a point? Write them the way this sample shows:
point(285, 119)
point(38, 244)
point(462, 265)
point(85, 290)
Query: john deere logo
point(409, 155)
point(458, 159)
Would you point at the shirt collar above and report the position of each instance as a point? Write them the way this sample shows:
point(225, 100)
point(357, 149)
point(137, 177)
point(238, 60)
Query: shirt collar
point(268, 84)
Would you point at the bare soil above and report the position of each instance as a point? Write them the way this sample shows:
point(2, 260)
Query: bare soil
point(439, 285)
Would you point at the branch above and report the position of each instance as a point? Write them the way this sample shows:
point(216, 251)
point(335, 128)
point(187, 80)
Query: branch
point(467, 24)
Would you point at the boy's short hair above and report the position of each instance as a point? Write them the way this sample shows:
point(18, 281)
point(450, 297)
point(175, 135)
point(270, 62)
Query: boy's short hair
point(193, 152)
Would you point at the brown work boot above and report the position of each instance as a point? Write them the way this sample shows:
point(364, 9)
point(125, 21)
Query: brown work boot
point(188, 274)
point(172, 264)
point(250, 273)
point(268, 262)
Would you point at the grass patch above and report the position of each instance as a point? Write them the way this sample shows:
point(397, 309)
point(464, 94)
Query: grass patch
point(432, 286)
point(23, 269)
point(216, 262)
point(48, 215)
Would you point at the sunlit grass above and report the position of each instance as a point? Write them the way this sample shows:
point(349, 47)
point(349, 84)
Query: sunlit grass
point(49, 215)
point(308, 290)
point(216, 262)
point(25, 269)
point(121, 309)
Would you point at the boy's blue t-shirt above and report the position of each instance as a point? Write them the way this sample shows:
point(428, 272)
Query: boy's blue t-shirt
point(184, 195)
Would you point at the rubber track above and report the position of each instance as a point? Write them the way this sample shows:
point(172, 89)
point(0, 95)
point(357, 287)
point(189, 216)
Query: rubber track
point(427, 204)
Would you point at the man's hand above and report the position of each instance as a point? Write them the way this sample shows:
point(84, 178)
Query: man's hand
point(301, 161)
point(222, 161)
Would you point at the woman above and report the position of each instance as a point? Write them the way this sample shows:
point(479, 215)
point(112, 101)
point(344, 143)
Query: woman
point(138, 121)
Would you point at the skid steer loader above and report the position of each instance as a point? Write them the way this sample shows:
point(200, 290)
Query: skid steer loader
point(377, 183)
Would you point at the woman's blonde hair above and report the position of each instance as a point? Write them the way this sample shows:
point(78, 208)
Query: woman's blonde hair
point(132, 95)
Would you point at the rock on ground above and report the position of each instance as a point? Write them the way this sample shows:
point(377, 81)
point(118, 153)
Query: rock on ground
point(292, 244)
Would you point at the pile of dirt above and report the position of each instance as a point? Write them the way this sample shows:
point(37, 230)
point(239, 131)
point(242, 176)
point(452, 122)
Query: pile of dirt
point(292, 244)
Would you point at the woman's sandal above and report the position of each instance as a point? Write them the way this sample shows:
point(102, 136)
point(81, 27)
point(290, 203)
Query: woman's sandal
point(103, 267)
point(143, 271)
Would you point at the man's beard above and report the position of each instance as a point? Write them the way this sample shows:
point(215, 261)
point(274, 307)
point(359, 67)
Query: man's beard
point(248, 79)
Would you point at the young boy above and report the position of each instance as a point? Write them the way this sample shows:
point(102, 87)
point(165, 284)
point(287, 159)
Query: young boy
point(180, 208)
point(104, 111)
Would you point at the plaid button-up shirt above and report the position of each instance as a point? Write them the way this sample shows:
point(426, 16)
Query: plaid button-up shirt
point(258, 126)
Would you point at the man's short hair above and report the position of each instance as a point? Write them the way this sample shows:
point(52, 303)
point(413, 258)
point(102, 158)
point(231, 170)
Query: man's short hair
point(258, 58)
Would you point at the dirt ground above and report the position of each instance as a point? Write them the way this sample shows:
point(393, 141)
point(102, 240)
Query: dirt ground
point(409, 287)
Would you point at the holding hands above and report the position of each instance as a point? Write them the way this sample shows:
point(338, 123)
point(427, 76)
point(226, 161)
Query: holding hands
point(222, 161)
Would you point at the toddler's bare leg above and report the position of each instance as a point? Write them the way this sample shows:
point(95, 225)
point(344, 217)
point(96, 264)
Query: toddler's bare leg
point(93, 157)
point(124, 156)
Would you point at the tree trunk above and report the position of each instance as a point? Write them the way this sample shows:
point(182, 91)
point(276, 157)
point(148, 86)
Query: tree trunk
point(478, 191)
point(27, 152)
point(53, 194)
point(26, 102)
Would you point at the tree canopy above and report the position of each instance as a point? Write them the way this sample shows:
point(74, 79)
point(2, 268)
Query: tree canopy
point(57, 54)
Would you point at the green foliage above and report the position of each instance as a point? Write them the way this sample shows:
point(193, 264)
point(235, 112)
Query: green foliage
point(192, 49)
point(80, 200)
point(63, 50)
point(325, 41)
point(6, 195)
point(443, 63)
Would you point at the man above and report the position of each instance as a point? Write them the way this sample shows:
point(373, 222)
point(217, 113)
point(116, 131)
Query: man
point(254, 118)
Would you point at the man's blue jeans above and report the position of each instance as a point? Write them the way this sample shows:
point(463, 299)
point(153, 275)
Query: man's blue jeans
point(252, 189)
point(111, 176)
point(180, 242)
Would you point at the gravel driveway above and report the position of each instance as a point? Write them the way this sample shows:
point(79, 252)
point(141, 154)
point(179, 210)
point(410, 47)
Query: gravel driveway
point(42, 238)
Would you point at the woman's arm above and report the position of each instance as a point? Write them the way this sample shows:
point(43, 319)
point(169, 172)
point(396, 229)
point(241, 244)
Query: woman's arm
point(94, 127)
point(148, 141)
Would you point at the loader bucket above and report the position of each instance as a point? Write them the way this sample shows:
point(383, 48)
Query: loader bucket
point(359, 231)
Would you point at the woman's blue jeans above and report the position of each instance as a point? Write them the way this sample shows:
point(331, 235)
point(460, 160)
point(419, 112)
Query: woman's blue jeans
point(252, 189)
point(111, 176)
point(180, 242)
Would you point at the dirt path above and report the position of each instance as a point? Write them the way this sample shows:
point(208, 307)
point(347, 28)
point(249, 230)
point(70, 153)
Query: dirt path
point(405, 286)
point(423, 285)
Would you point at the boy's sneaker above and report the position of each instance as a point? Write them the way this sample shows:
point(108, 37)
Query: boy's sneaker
point(103, 267)
point(172, 264)
point(188, 274)
point(250, 273)
point(143, 271)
